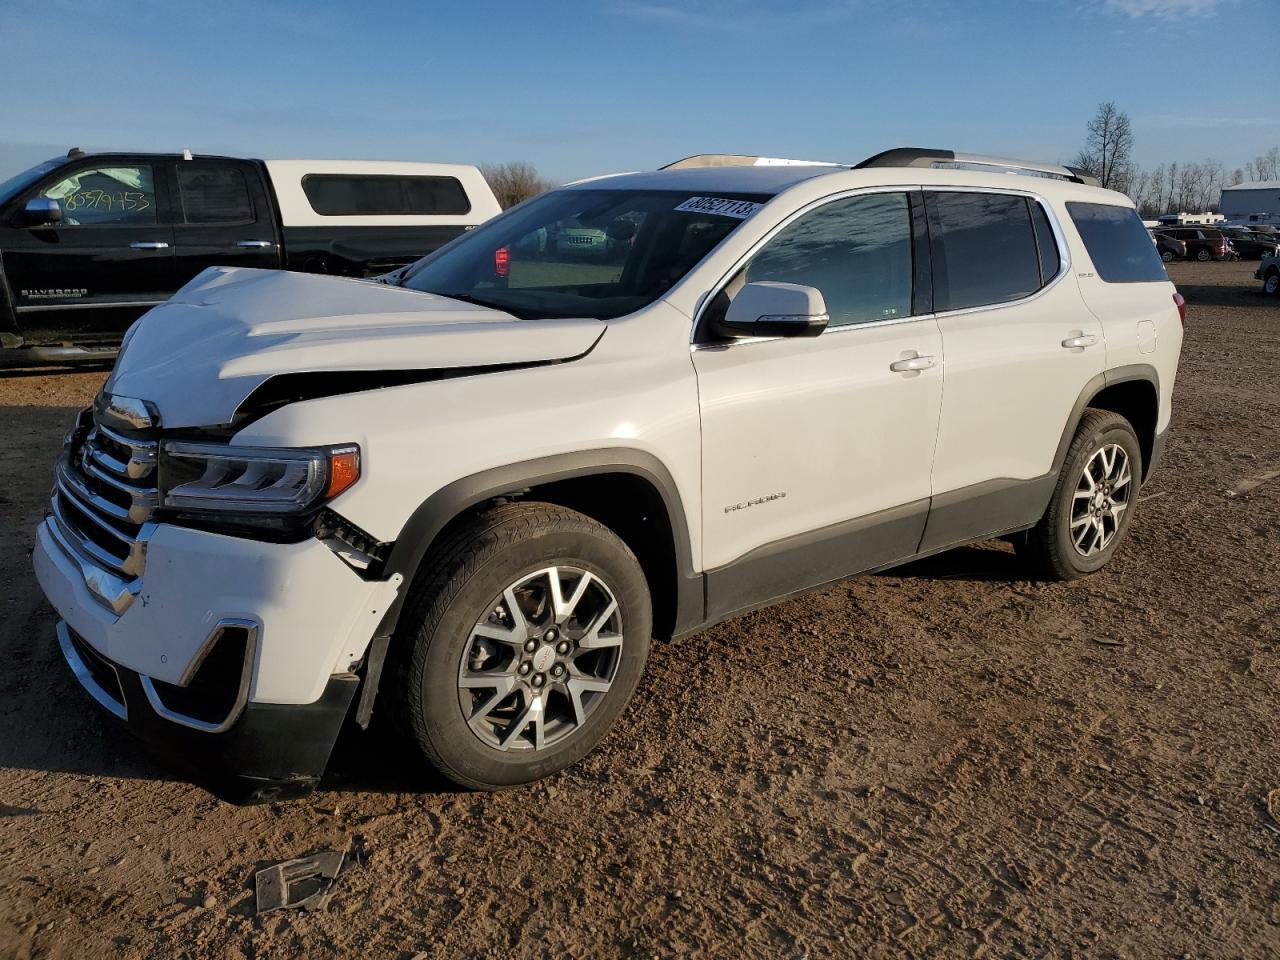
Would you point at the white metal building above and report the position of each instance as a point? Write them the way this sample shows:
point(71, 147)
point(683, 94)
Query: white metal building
point(1249, 203)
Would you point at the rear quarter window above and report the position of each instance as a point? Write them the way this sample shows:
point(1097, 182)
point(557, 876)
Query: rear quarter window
point(1117, 243)
point(347, 195)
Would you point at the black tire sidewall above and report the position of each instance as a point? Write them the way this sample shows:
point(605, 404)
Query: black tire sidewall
point(451, 741)
point(1118, 432)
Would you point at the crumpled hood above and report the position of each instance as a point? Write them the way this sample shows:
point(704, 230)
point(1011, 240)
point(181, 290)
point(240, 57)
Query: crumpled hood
point(198, 356)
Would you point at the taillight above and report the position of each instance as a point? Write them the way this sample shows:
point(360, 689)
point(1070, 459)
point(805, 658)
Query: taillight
point(502, 261)
point(1181, 304)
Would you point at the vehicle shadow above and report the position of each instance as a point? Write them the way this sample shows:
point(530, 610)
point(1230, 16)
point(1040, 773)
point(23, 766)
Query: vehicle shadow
point(1216, 295)
point(980, 563)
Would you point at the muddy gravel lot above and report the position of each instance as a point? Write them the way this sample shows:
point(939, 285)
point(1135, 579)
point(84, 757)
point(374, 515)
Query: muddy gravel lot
point(948, 759)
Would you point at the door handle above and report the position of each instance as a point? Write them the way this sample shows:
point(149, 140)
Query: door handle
point(1073, 343)
point(148, 245)
point(913, 363)
point(258, 244)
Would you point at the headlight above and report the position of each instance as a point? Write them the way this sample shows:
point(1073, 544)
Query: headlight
point(214, 477)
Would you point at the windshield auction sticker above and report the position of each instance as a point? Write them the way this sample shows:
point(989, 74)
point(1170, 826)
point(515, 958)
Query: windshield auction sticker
point(738, 209)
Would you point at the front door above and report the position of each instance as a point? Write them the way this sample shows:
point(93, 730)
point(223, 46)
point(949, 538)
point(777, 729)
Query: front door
point(817, 452)
point(222, 218)
point(90, 275)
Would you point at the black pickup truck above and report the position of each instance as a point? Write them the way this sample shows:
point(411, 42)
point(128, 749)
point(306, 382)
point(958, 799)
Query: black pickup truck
point(88, 242)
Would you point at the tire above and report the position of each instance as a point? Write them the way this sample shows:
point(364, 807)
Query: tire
point(1050, 547)
point(459, 631)
point(1271, 283)
point(1167, 256)
point(1204, 256)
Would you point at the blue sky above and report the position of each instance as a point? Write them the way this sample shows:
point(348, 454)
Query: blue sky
point(581, 88)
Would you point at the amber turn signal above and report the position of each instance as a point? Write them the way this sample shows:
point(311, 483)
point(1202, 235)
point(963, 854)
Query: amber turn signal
point(344, 470)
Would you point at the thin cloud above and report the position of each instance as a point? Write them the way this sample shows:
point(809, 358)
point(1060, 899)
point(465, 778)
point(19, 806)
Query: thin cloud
point(1211, 123)
point(1162, 9)
point(732, 16)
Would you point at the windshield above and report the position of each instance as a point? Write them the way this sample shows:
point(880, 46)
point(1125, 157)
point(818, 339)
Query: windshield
point(583, 253)
point(16, 184)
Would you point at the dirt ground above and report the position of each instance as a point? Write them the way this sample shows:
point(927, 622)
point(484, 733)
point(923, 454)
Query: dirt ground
point(944, 760)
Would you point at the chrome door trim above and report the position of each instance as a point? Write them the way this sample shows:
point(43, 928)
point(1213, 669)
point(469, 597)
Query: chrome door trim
point(1059, 237)
point(88, 306)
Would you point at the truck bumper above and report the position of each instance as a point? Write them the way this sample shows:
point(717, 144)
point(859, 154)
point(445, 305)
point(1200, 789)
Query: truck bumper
point(270, 752)
point(235, 657)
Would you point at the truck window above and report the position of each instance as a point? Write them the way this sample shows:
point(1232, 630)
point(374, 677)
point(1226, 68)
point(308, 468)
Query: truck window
point(346, 195)
point(1117, 243)
point(213, 194)
point(119, 196)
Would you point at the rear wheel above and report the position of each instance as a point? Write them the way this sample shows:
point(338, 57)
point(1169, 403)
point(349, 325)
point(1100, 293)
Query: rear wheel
point(1167, 256)
point(1271, 283)
point(524, 641)
point(1093, 501)
point(1203, 255)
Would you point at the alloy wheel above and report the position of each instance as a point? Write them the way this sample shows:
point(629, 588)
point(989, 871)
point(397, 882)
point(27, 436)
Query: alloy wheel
point(541, 660)
point(1101, 497)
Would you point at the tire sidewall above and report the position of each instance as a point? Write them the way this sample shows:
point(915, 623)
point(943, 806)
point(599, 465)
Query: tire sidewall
point(435, 685)
point(1119, 433)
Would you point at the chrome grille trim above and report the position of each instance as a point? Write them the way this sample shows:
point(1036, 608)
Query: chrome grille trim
point(142, 454)
point(251, 628)
point(110, 588)
point(85, 676)
point(88, 516)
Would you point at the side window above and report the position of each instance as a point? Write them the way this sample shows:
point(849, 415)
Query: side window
point(1117, 243)
point(345, 195)
point(107, 195)
point(213, 194)
point(857, 251)
point(1045, 244)
point(984, 249)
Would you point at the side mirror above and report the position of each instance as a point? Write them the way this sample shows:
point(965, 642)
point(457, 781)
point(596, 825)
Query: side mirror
point(769, 309)
point(41, 210)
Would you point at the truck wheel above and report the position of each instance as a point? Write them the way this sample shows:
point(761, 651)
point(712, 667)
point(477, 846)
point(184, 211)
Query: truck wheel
point(1204, 256)
point(1093, 502)
point(521, 644)
point(1271, 283)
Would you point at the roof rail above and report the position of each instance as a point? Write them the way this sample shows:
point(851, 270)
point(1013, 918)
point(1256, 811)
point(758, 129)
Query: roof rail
point(739, 160)
point(918, 157)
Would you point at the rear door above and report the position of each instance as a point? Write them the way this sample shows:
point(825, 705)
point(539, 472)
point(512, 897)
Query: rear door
point(1020, 347)
point(222, 217)
point(90, 275)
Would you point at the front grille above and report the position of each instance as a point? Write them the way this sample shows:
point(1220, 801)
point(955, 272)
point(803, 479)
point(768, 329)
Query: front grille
point(103, 501)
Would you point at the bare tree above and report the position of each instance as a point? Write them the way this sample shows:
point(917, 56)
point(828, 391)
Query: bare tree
point(514, 182)
point(1108, 147)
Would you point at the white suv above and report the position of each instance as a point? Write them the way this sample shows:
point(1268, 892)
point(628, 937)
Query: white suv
point(478, 490)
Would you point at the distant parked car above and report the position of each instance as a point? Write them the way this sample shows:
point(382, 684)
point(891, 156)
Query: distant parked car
point(1252, 245)
point(89, 242)
point(1269, 273)
point(1169, 248)
point(1203, 243)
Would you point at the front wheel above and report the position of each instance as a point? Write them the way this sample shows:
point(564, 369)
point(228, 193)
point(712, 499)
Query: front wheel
point(1167, 256)
point(1204, 256)
point(1093, 502)
point(1271, 283)
point(521, 644)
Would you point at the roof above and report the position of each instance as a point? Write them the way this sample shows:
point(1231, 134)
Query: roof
point(1255, 185)
point(735, 179)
